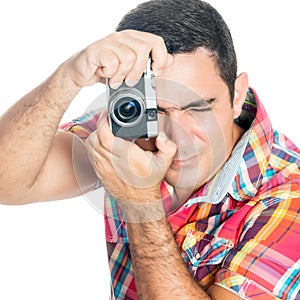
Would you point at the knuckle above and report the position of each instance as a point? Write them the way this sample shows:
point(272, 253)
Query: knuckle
point(131, 57)
point(110, 66)
point(108, 145)
point(145, 47)
point(105, 144)
point(112, 62)
point(127, 31)
point(121, 34)
point(159, 39)
point(113, 35)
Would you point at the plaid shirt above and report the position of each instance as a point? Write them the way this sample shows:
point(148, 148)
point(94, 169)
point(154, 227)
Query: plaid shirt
point(240, 230)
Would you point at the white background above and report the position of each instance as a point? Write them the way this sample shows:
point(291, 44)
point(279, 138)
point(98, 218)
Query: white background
point(56, 250)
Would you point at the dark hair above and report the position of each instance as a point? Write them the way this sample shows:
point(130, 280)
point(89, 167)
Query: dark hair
point(186, 26)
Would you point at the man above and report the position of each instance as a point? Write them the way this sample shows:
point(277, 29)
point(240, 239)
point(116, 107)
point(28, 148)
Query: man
point(209, 209)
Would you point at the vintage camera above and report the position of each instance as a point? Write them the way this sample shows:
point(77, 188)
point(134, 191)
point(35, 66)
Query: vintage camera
point(132, 111)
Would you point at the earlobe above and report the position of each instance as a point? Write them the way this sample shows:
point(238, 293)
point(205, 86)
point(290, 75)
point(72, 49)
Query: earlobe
point(240, 93)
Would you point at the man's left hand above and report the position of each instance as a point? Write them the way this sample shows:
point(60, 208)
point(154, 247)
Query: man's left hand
point(130, 174)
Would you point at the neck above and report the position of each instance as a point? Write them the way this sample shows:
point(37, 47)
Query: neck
point(237, 134)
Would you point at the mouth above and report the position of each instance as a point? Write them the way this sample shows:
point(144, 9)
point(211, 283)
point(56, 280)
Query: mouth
point(186, 162)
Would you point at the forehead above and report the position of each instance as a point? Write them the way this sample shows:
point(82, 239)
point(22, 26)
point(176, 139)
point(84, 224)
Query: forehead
point(191, 76)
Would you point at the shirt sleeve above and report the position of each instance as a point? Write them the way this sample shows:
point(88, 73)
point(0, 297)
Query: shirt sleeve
point(82, 126)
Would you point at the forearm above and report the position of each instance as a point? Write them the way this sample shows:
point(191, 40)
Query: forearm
point(160, 272)
point(27, 131)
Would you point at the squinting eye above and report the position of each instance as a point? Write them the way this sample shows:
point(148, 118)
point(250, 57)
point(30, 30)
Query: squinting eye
point(161, 111)
point(198, 109)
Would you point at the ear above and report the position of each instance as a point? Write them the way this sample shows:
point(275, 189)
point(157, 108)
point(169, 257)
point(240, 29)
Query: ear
point(240, 93)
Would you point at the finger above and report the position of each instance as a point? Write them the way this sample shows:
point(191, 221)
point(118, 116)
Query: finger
point(91, 145)
point(143, 48)
point(159, 53)
point(116, 147)
point(133, 56)
point(124, 49)
point(124, 55)
point(158, 69)
point(137, 70)
point(166, 149)
point(110, 145)
point(111, 58)
point(93, 141)
point(104, 134)
point(100, 158)
point(145, 44)
point(104, 59)
point(126, 60)
point(94, 148)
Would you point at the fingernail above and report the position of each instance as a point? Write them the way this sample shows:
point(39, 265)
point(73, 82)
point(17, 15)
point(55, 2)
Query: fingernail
point(132, 83)
point(157, 72)
point(162, 137)
point(115, 85)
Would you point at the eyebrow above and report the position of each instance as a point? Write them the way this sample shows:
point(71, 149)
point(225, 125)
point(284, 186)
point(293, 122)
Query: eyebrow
point(197, 103)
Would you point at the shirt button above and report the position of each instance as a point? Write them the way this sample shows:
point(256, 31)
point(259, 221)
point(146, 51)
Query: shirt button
point(198, 256)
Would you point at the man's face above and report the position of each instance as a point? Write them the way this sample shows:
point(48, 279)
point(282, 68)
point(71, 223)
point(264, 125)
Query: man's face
point(195, 113)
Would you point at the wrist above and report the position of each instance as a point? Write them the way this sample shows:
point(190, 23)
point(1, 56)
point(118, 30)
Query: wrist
point(66, 75)
point(59, 90)
point(142, 212)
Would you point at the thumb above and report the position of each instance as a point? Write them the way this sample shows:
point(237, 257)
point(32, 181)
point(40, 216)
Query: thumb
point(166, 149)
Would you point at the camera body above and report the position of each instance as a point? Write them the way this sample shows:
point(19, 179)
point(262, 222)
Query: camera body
point(132, 111)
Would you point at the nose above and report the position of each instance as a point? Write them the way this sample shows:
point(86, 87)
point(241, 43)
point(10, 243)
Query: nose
point(176, 127)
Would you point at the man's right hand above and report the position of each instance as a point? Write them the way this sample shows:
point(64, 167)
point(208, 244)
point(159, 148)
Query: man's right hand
point(120, 56)
point(36, 160)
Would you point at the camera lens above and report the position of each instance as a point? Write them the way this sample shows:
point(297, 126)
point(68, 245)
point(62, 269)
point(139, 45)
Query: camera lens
point(127, 110)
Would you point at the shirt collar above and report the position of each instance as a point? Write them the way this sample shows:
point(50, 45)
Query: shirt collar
point(252, 170)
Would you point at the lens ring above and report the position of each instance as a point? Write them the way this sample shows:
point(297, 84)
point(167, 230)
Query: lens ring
point(127, 107)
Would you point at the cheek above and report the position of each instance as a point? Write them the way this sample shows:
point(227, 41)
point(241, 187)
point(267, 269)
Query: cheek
point(214, 131)
point(225, 121)
point(188, 134)
point(217, 124)
point(208, 127)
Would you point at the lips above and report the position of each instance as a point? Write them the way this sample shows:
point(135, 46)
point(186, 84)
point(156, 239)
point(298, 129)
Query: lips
point(186, 162)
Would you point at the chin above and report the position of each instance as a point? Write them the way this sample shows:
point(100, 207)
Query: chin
point(191, 178)
point(187, 180)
